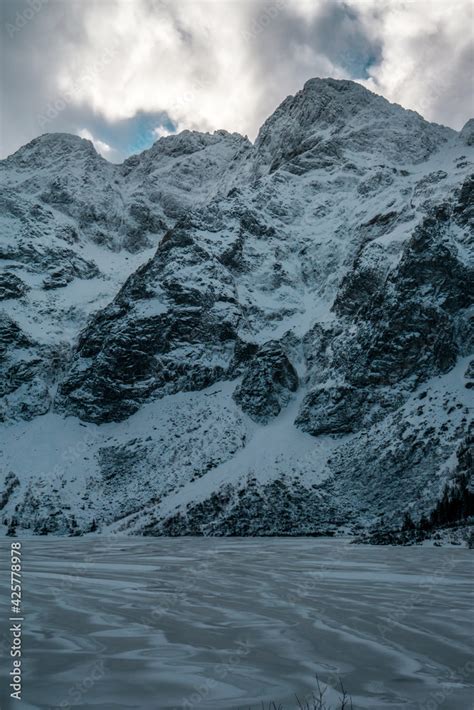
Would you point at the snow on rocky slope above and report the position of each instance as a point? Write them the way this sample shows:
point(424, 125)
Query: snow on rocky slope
point(225, 338)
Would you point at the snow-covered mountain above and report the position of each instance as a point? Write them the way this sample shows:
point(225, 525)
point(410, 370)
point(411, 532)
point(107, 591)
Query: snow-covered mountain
point(219, 337)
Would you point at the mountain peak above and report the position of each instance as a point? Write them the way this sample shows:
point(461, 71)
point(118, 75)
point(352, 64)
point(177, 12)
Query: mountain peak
point(188, 141)
point(349, 115)
point(180, 158)
point(467, 132)
point(51, 146)
point(341, 85)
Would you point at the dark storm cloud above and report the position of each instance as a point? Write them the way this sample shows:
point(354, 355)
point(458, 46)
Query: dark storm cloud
point(335, 32)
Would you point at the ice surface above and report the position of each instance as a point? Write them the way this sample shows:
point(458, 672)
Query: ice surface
point(219, 624)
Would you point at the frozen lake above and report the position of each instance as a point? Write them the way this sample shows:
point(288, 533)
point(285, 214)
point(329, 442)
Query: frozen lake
point(214, 624)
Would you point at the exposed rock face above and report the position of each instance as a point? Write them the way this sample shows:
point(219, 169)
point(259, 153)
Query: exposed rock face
point(267, 384)
point(273, 509)
point(11, 336)
point(23, 389)
point(340, 409)
point(467, 134)
point(171, 328)
point(180, 172)
point(410, 324)
point(329, 117)
point(11, 286)
point(217, 337)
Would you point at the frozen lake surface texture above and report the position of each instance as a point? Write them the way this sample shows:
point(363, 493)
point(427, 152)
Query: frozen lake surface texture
point(214, 624)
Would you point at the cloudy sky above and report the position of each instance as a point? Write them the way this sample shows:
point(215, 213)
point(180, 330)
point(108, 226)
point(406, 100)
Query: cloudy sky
point(125, 72)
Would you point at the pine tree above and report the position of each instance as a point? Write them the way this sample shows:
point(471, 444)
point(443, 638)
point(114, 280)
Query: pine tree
point(424, 523)
point(456, 503)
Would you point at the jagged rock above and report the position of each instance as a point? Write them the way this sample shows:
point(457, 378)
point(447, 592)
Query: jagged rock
point(268, 381)
point(362, 282)
point(469, 374)
point(68, 233)
point(334, 410)
point(342, 409)
point(171, 328)
point(46, 259)
point(56, 193)
point(467, 133)
point(464, 209)
point(405, 323)
point(381, 179)
point(257, 510)
point(11, 482)
point(465, 458)
point(11, 335)
point(11, 286)
point(57, 279)
point(358, 120)
point(394, 466)
point(431, 266)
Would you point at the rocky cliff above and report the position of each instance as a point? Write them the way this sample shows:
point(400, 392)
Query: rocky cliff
point(219, 337)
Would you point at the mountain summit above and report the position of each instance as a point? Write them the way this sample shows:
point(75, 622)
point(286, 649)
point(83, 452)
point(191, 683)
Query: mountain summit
point(341, 116)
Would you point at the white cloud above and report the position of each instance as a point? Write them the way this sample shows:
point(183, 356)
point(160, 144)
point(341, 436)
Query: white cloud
point(211, 64)
point(187, 61)
point(103, 148)
point(198, 61)
point(161, 132)
point(427, 56)
point(201, 62)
